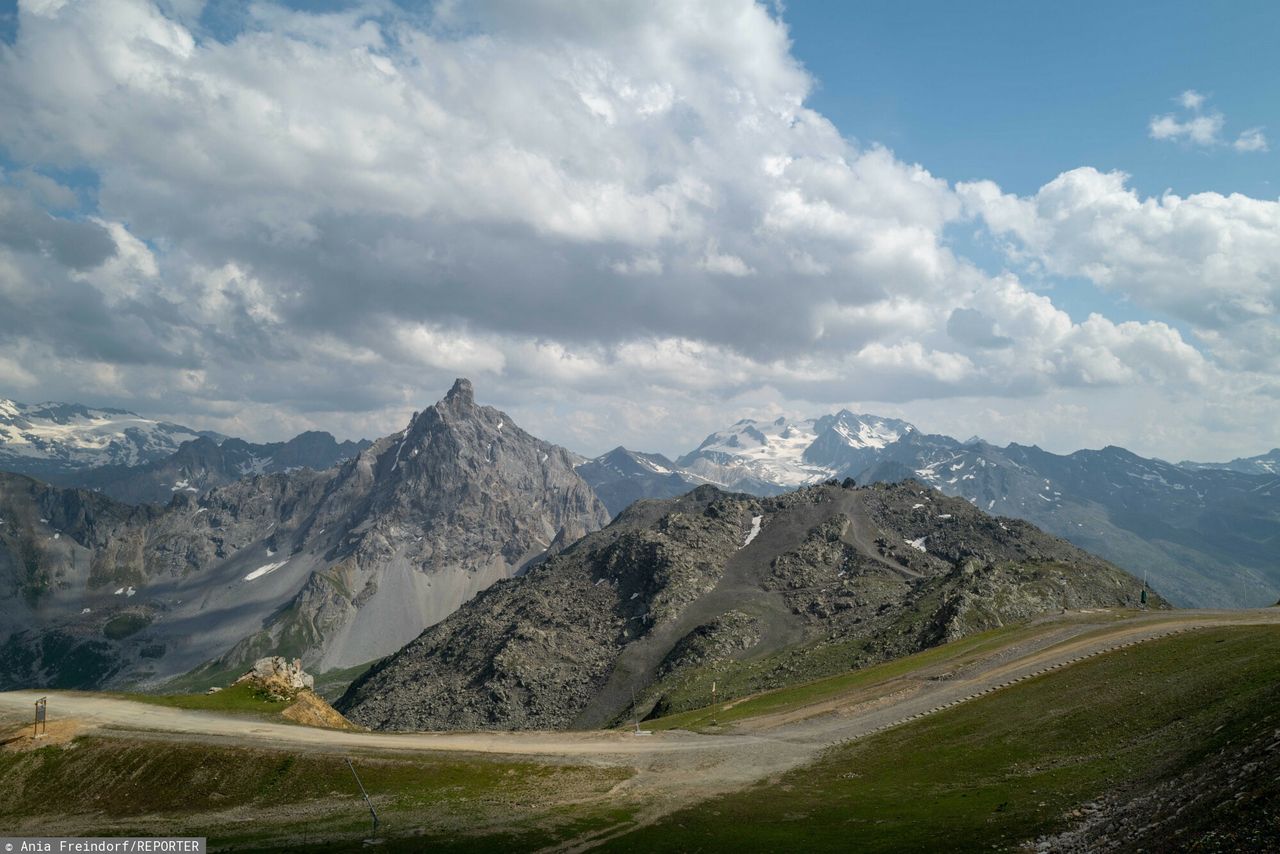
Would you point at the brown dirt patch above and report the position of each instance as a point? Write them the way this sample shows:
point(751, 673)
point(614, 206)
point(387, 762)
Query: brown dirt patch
point(21, 739)
point(311, 710)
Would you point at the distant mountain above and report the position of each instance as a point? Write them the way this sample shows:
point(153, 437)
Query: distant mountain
point(1268, 463)
point(752, 592)
point(201, 464)
point(338, 567)
point(1205, 535)
point(768, 457)
point(622, 477)
point(51, 439)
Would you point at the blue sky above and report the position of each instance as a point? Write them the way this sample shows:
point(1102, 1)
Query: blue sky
point(621, 222)
point(1019, 92)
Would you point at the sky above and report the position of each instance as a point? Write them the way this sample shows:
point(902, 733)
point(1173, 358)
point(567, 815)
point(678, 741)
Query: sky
point(635, 223)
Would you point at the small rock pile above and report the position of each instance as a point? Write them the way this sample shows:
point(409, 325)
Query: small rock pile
point(279, 677)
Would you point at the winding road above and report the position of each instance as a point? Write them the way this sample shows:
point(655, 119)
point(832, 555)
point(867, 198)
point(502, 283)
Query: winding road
point(673, 766)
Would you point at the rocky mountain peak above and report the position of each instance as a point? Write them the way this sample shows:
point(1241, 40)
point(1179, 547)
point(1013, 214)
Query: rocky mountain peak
point(461, 396)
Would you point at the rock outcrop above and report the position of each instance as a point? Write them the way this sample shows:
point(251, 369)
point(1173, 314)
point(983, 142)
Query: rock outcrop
point(279, 676)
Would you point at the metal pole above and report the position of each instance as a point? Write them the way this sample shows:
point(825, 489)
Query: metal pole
point(372, 811)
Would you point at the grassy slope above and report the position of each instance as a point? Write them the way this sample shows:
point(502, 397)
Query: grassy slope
point(237, 699)
point(798, 696)
point(257, 799)
point(996, 771)
point(1011, 766)
point(954, 654)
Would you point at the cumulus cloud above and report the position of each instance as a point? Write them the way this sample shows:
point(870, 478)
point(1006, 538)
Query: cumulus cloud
point(1209, 260)
point(317, 219)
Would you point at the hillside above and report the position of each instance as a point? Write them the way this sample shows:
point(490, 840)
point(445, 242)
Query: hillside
point(1089, 731)
point(753, 592)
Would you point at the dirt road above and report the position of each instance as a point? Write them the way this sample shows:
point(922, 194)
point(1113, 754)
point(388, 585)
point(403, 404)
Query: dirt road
point(673, 766)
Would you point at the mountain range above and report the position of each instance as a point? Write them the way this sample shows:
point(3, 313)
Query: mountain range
point(338, 567)
point(1206, 535)
point(51, 439)
point(193, 562)
point(753, 593)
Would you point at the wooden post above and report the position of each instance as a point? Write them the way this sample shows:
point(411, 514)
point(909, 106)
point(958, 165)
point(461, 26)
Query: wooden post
point(713, 702)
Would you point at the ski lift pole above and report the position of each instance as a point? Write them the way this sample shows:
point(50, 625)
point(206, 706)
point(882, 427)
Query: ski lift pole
point(367, 801)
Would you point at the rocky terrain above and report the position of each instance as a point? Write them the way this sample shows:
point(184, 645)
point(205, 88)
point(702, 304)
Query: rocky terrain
point(757, 591)
point(337, 568)
point(201, 464)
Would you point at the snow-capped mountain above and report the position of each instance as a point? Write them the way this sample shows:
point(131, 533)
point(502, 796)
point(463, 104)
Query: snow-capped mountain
point(767, 457)
point(1207, 535)
point(45, 439)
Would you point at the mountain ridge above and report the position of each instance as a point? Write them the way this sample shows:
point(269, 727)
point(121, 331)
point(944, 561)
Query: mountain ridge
point(757, 591)
point(337, 567)
point(1208, 535)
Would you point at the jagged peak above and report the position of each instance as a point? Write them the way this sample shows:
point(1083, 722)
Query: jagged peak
point(461, 395)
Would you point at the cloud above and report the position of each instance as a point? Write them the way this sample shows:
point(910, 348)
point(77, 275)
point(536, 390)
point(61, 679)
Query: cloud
point(616, 216)
point(1209, 260)
point(1192, 100)
point(1251, 140)
point(1200, 128)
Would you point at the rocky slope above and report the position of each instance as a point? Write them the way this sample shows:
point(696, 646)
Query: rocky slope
point(201, 464)
point(337, 568)
point(51, 439)
point(757, 592)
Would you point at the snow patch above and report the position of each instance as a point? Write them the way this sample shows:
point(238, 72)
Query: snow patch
point(264, 570)
point(917, 544)
point(754, 532)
